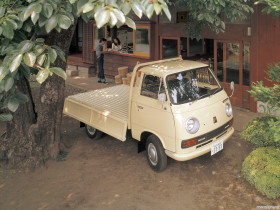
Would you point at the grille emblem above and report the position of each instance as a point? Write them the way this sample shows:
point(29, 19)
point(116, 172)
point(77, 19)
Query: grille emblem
point(215, 119)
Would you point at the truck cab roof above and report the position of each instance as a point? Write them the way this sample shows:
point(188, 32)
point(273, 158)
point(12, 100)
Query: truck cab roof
point(171, 67)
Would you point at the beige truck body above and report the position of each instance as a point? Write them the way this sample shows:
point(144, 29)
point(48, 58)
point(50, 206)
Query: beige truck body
point(116, 109)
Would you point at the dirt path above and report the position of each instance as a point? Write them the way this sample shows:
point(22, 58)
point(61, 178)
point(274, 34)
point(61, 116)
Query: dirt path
point(109, 174)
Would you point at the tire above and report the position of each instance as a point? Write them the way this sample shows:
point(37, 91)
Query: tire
point(93, 133)
point(155, 154)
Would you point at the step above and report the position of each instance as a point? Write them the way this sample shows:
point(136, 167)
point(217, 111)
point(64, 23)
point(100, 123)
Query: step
point(72, 73)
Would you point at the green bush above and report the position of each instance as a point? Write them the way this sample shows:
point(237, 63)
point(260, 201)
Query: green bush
point(258, 132)
point(262, 169)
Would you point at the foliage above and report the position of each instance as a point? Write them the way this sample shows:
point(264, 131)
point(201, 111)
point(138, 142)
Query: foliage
point(262, 169)
point(271, 96)
point(23, 24)
point(273, 7)
point(257, 132)
point(210, 14)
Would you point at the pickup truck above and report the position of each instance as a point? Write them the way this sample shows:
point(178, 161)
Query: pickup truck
point(174, 108)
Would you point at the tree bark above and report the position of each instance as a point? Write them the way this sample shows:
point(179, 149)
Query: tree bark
point(35, 137)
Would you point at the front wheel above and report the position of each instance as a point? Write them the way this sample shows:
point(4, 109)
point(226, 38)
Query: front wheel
point(156, 156)
point(93, 133)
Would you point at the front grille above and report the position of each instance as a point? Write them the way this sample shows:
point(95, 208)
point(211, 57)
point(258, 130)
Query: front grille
point(201, 145)
point(218, 133)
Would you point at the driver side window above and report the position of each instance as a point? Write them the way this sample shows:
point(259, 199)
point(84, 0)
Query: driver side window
point(150, 86)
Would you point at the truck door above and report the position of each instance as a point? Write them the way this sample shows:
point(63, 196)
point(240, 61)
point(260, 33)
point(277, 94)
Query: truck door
point(151, 115)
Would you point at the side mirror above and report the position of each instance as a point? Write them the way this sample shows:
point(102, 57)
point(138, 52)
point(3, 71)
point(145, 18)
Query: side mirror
point(232, 87)
point(162, 97)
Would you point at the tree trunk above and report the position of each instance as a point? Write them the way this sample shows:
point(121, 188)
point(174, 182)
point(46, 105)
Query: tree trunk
point(35, 137)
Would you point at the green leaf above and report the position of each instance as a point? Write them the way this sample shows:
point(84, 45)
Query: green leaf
point(42, 75)
point(1, 30)
point(12, 23)
point(15, 63)
point(72, 1)
point(52, 54)
point(28, 11)
point(47, 10)
point(88, 7)
point(137, 9)
point(8, 84)
point(14, 17)
point(102, 18)
point(167, 13)
point(34, 17)
point(80, 5)
point(26, 46)
point(41, 59)
point(113, 18)
point(8, 32)
point(157, 8)
point(29, 59)
point(21, 97)
point(223, 25)
point(2, 11)
point(150, 10)
point(53, 3)
point(60, 53)
point(3, 72)
point(59, 71)
point(41, 40)
point(119, 15)
point(126, 8)
point(64, 21)
point(42, 20)
point(13, 104)
point(2, 86)
point(37, 8)
point(6, 117)
point(130, 23)
point(51, 23)
point(47, 62)
point(38, 50)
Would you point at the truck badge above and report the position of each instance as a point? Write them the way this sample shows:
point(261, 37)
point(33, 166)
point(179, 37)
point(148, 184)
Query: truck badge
point(215, 119)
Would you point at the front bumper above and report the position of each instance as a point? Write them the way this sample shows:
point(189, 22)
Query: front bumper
point(201, 149)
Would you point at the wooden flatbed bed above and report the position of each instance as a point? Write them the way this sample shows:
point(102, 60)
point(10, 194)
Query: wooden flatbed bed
point(104, 109)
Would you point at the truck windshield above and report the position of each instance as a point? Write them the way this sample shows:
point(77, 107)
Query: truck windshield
point(191, 85)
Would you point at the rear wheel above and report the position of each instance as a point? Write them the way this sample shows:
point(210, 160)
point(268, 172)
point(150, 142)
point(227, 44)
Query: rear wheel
point(156, 156)
point(93, 133)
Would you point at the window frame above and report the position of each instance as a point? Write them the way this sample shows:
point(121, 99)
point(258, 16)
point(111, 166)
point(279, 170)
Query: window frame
point(134, 54)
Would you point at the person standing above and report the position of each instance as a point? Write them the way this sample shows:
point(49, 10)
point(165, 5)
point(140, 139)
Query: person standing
point(100, 60)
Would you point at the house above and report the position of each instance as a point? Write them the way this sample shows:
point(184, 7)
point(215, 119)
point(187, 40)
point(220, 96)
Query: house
point(241, 54)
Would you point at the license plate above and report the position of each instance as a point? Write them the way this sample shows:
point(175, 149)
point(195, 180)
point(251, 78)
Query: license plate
point(218, 146)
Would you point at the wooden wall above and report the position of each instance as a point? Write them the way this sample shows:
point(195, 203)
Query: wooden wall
point(265, 46)
point(88, 42)
point(113, 61)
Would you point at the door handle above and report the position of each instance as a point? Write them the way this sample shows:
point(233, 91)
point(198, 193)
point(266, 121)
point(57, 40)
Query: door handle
point(140, 107)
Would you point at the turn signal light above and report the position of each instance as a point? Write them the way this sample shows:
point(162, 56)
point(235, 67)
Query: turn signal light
point(231, 122)
point(188, 143)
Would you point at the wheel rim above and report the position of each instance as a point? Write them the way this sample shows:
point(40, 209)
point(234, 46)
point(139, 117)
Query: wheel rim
point(152, 154)
point(91, 130)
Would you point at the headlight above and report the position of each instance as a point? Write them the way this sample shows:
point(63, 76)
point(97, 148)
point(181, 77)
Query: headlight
point(192, 125)
point(228, 109)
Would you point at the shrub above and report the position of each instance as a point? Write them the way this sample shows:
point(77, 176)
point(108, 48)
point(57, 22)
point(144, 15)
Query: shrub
point(262, 169)
point(257, 132)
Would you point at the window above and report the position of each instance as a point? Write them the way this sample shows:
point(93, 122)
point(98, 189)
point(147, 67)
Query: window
point(150, 86)
point(191, 85)
point(142, 41)
point(133, 42)
point(169, 47)
point(246, 64)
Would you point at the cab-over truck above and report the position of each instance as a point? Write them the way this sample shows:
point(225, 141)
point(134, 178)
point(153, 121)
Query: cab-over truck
point(174, 107)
